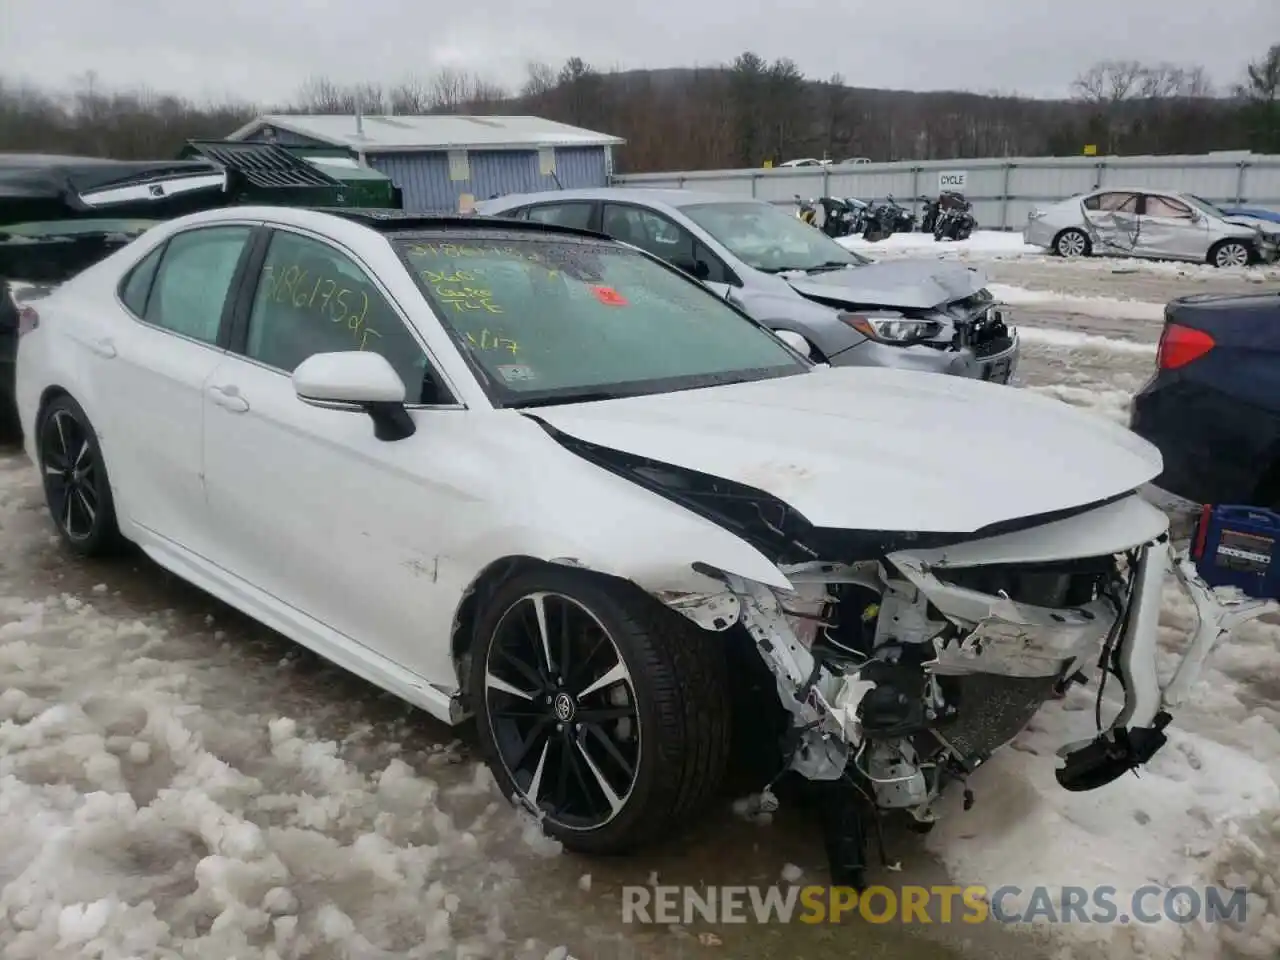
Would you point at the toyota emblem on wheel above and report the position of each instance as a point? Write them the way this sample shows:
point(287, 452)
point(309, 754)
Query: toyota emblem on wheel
point(563, 707)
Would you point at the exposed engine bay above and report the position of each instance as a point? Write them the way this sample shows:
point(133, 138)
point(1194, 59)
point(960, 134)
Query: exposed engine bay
point(902, 679)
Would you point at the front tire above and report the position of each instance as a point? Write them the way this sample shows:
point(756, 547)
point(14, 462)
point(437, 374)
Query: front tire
point(599, 709)
point(1231, 253)
point(76, 487)
point(1072, 243)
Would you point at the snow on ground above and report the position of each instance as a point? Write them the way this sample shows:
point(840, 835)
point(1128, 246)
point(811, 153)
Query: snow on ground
point(988, 242)
point(198, 790)
point(1075, 339)
point(1109, 307)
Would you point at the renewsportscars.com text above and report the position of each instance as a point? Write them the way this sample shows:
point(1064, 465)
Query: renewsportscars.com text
point(933, 904)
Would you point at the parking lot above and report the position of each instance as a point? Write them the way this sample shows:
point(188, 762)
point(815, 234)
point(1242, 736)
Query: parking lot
point(180, 781)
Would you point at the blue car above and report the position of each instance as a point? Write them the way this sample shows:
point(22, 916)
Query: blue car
point(1213, 405)
point(1258, 213)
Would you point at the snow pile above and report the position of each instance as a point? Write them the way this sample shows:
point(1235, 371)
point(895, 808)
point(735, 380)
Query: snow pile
point(153, 803)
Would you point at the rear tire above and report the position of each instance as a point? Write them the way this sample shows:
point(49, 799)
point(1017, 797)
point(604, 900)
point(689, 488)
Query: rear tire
point(1072, 243)
point(599, 709)
point(1230, 253)
point(76, 487)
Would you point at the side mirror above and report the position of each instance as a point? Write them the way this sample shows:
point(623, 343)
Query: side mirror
point(796, 342)
point(354, 378)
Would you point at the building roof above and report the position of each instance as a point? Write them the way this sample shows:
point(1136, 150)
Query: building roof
point(382, 134)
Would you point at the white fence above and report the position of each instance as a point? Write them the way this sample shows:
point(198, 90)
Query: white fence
point(1003, 190)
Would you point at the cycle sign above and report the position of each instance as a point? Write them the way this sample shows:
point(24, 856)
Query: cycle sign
point(953, 180)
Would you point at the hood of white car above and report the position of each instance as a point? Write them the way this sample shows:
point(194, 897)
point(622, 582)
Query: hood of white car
point(876, 449)
point(912, 284)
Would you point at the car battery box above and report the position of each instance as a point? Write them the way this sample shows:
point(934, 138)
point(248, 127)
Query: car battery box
point(1235, 546)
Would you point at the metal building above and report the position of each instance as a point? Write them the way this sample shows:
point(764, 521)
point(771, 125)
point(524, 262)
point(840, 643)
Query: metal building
point(442, 161)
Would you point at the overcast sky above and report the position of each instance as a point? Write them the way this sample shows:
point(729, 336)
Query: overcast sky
point(264, 50)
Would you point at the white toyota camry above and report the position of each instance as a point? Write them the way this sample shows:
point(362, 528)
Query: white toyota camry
point(530, 475)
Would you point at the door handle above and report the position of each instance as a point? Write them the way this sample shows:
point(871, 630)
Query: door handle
point(104, 347)
point(229, 399)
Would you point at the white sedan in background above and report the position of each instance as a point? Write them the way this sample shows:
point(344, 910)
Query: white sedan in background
point(530, 474)
point(1155, 224)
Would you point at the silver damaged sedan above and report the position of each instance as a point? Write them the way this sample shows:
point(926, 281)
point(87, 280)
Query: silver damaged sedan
point(923, 315)
point(1154, 224)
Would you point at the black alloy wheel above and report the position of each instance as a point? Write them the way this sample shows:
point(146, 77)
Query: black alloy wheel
point(76, 488)
point(562, 706)
point(599, 709)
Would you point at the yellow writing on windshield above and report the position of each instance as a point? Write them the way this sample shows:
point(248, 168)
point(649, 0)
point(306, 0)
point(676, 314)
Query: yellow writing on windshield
point(492, 341)
point(324, 296)
point(464, 299)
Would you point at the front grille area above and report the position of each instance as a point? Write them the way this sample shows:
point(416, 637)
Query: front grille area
point(992, 347)
point(993, 710)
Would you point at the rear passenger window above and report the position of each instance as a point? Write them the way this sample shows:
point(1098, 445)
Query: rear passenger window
point(138, 284)
point(312, 298)
point(563, 214)
point(1113, 202)
point(192, 283)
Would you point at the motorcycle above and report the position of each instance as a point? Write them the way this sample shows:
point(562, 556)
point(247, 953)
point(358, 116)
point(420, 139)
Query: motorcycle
point(885, 219)
point(955, 219)
point(840, 217)
point(928, 214)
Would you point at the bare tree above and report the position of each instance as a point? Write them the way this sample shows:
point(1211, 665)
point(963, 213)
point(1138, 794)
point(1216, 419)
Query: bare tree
point(540, 79)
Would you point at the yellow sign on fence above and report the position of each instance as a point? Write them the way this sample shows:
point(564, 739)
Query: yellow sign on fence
point(768, 164)
point(1090, 149)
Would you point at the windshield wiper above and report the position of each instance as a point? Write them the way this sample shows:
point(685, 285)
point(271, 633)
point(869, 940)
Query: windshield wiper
point(811, 268)
point(588, 397)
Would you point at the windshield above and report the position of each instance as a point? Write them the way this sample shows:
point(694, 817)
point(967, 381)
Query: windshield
point(559, 319)
point(764, 237)
point(1205, 206)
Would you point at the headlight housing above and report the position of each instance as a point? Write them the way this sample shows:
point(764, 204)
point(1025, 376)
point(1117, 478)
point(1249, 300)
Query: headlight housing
point(896, 330)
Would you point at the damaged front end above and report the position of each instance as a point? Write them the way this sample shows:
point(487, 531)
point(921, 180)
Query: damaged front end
point(903, 674)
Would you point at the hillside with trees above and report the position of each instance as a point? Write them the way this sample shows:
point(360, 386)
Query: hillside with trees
point(736, 115)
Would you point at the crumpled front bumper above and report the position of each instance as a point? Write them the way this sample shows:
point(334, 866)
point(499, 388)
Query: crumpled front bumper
point(1011, 639)
point(1013, 655)
point(1268, 246)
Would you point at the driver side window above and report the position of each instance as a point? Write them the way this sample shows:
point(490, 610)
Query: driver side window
point(1165, 207)
point(663, 238)
point(311, 299)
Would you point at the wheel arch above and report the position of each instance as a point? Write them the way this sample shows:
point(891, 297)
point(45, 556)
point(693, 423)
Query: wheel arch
point(708, 603)
point(47, 396)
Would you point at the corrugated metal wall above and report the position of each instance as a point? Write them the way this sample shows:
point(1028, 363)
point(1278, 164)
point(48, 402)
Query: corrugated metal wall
point(1003, 191)
point(424, 175)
